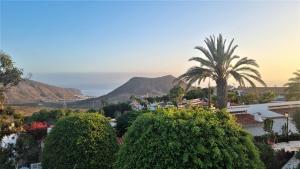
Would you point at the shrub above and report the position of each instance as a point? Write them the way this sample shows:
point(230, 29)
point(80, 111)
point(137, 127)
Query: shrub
point(50, 116)
point(125, 121)
point(6, 157)
point(112, 109)
point(273, 159)
point(83, 141)
point(27, 149)
point(187, 138)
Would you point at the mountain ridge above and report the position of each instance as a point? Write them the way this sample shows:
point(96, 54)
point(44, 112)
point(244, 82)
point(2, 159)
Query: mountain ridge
point(135, 86)
point(30, 91)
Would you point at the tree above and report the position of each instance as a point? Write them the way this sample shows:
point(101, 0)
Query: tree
point(189, 138)
point(176, 94)
point(112, 109)
point(266, 97)
point(6, 157)
point(271, 158)
point(293, 87)
point(194, 94)
point(248, 98)
point(125, 121)
point(27, 149)
point(219, 66)
point(296, 118)
point(268, 127)
point(10, 122)
point(233, 97)
point(84, 141)
point(9, 76)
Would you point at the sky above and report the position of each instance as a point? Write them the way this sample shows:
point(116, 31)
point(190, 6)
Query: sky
point(151, 38)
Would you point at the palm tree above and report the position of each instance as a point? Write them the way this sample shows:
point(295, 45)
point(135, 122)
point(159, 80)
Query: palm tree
point(293, 87)
point(219, 65)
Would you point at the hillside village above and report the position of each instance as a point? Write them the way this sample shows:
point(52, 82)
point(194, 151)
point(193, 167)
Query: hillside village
point(149, 85)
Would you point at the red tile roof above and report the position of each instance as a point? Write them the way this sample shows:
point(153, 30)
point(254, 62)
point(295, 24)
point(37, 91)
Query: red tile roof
point(245, 119)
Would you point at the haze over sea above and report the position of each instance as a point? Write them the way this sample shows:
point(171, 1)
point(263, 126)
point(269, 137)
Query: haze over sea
point(90, 84)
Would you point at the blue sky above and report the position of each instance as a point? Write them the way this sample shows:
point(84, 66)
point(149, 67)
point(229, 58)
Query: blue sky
point(148, 37)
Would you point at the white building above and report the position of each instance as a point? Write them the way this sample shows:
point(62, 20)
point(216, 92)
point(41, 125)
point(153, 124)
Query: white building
point(261, 112)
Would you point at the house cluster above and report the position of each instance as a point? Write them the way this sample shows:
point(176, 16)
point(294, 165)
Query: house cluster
point(251, 117)
point(153, 106)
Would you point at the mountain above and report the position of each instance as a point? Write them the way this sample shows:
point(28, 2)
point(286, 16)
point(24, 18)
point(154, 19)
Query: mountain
point(137, 86)
point(29, 91)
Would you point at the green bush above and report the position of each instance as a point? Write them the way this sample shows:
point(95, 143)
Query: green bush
point(272, 159)
point(187, 138)
point(113, 109)
point(125, 121)
point(83, 141)
point(27, 149)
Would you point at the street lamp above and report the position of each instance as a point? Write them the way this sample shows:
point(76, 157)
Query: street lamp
point(287, 126)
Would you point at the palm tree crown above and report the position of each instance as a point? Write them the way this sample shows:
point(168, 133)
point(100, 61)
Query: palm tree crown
point(293, 87)
point(220, 64)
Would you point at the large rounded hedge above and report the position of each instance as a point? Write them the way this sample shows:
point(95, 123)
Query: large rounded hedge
point(82, 141)
point(187, 138)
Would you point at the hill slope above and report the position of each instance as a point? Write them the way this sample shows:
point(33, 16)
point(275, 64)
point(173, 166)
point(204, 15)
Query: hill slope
point(137, 86)
point(30, 91)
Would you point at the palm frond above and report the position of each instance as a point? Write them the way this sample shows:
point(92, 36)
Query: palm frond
point(247, 69)
point(245, 61)
point(206, 53)
point(258, 79)
point(203, 62)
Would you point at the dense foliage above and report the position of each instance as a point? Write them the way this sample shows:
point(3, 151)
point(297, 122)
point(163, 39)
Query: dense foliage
point(125, 121)
point(84, 141)
point(272, 159)
point(293, 87)
point(248, 98)
point(266, 97)
point(113, 110)
point(187, 138)
point(164, 98)
point(176, 94)
point(6, 157)
point(10, 75)
point(10, 122)
point(28, 149)
point(50, 116)
point(194, 94)
point(296, 118)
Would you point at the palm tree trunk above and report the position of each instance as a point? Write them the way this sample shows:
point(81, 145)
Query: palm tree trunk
point(221, 93)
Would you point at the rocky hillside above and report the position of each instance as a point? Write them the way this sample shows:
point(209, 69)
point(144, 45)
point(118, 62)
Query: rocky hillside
point(137, 86)
point(29, 91)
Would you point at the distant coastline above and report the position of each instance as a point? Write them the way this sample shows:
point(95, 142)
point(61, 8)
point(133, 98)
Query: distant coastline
point(90, 84)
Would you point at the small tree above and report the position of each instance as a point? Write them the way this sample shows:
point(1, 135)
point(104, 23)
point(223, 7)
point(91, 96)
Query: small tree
point(293, 87)
point(268, 127)
point(194, 94)
point(83, 141)
point(176, 94)
point(249, 98)
point(10, 122)
point(296, 118)
point(267, 97)
point(9, 76)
